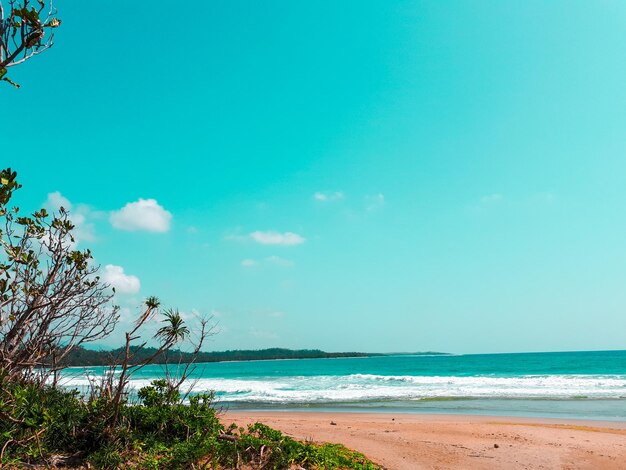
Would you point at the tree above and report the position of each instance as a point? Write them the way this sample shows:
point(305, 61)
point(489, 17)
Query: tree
point(51, 298)
point(112, 385)
point(26, 29)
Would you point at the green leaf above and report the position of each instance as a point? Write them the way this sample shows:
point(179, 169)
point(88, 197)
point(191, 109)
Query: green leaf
point(53, 23)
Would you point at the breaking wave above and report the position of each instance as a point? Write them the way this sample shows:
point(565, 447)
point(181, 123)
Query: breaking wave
point(369, 387)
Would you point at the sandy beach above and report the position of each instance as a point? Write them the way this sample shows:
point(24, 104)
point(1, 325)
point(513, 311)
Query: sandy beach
point(410, 441)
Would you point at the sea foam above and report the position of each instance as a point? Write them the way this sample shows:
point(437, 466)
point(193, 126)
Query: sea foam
point(370, 387)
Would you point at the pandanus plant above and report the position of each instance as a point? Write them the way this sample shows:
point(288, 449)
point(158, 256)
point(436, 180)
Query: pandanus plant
point(174, 330)
point(171, 333)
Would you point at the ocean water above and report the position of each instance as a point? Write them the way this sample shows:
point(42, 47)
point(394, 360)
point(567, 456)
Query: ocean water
point(582, 385)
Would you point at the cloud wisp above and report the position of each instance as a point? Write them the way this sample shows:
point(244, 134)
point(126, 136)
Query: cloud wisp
point(375, 202)
point(271, 237)
point(78, 215)
point(492, 198)
point(142, 215)
point(278, 261)
point(270, 260)
point(328, 196)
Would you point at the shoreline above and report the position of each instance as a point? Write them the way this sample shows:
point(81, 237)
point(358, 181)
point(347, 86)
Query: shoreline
point(330, 355)
point(414, 441)
point(573, 409)
point(436, 417)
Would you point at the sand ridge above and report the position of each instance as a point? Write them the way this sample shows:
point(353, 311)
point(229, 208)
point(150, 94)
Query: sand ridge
point(412, 441)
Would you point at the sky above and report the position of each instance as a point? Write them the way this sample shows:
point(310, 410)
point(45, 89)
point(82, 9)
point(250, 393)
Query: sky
point(356, 175)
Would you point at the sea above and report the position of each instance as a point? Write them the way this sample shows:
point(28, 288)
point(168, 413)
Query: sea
point(575, 385)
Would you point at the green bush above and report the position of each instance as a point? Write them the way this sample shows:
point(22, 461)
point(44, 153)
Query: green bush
point(38, 419)
point(160, 431)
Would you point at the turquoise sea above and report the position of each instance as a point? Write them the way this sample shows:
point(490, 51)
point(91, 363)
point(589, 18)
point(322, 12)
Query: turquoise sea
point(582, 385)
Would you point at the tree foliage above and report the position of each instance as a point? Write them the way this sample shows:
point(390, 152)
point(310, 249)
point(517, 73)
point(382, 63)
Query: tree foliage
point(51, 298)
point(53, 427)
point(113, 384)
point(90, 357)
point(26, 29)
point(52, 302)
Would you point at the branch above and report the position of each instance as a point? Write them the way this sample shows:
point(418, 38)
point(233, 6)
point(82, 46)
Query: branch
point(32, 54)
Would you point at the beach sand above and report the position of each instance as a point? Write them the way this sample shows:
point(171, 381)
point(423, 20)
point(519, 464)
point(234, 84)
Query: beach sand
point(412, 441)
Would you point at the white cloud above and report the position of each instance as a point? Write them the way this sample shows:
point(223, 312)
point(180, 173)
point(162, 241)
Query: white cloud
point(328, 196)
point(83, 230)
point(278, 261)
point(273, 260)
point(374, 202)
point(126, 315)
point(491, 198)
point(277, 238)
point(217, 313)
point(144, 214)
point(123, 283)
point(56, 200)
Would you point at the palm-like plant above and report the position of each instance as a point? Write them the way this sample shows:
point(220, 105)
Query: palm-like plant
point(152, 305)
point(174, 330)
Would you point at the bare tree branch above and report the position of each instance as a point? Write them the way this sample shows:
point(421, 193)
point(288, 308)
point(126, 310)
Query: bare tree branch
point(51, 298)
point(25, 31)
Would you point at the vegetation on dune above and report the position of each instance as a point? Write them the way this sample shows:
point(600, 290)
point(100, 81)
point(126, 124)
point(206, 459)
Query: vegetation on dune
point(52, 302)
point(50, 426)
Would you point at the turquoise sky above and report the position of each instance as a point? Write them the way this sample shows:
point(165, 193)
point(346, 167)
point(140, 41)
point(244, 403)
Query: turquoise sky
point(379, 176)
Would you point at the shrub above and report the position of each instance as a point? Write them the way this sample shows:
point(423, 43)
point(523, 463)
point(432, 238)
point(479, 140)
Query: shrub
point(160, 431)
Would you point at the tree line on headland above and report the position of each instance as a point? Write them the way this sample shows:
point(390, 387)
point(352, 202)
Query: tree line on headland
point(88, 357)
point(92, 358)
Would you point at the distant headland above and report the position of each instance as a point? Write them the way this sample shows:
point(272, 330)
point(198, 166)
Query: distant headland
point(90, 357)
